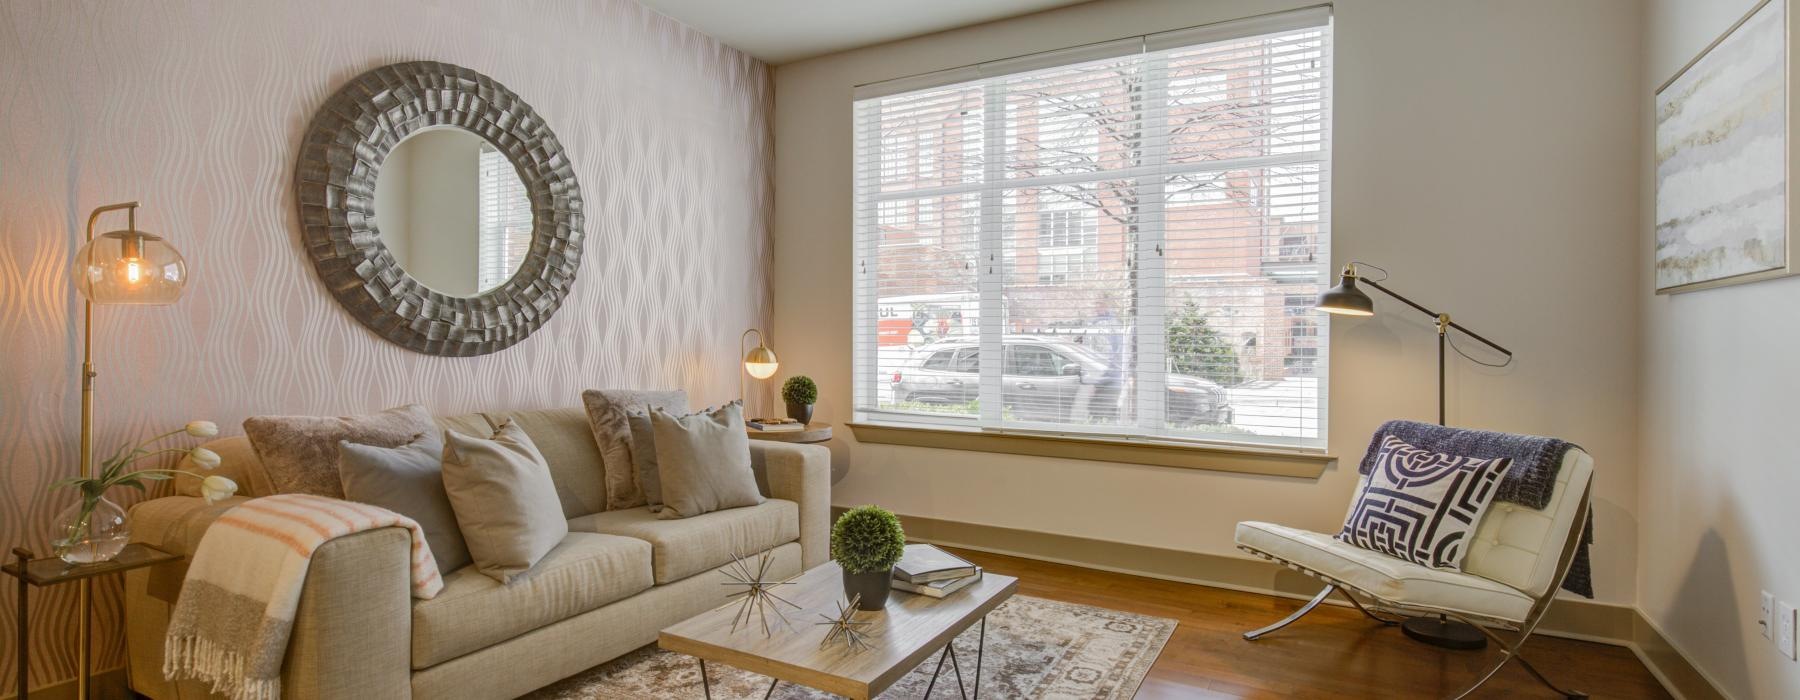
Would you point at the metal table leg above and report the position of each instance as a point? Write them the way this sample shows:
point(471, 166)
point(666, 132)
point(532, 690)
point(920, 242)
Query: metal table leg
point(704, 684)
point(962, 690)
point(24, 636)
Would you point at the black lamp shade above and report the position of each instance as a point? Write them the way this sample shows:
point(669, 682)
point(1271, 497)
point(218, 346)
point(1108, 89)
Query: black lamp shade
point(1346, 300)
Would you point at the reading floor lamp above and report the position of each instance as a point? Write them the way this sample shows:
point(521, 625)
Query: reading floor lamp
point(1347, 300)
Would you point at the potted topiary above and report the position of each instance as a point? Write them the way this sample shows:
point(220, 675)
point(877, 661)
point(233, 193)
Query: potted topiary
point(800, 393)
point(867, 542)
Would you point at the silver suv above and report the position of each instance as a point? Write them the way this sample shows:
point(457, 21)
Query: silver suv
point(1049, 379)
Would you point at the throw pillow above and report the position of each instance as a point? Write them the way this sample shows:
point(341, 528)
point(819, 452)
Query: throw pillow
point(643, 458)
point(300, 453)
point(1422, 506)
point(505, 502)
point(704, 460)
point(612, 432)
point(408, 480)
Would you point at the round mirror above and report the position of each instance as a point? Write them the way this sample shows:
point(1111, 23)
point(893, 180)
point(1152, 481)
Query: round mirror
point(451, 209)
point(439, 208)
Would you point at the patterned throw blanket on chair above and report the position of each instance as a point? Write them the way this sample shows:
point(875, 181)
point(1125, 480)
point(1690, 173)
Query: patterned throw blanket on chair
point(1536, 461)
point(231, 624)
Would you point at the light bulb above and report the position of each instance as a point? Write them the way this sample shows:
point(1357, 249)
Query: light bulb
point(134, 272)
point(761, 370)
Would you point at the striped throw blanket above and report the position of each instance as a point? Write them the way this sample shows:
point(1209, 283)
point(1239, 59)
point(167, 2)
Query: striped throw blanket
point(231, 624)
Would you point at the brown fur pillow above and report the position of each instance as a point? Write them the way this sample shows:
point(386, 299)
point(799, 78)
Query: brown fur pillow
point(300, 453)
point(612, 432)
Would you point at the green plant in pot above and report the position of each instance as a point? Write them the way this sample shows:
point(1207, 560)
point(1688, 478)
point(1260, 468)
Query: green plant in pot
point(800, 393)
point(867, 542)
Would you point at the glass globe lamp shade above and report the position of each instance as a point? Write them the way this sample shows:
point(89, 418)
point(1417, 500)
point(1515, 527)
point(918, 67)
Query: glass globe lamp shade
point(129, 267)
point(761, 363)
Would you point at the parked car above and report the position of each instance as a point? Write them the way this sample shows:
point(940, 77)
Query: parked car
point(1049, 379)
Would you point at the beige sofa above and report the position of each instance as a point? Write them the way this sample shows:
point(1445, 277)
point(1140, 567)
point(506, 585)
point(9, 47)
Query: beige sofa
point(618, 578)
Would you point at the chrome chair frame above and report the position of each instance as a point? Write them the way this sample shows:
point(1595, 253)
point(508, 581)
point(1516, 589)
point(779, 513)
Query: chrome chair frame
point(1509, 651)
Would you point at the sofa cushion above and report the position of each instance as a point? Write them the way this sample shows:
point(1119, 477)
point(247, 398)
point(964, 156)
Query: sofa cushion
point(584, 572)
point(684, 547)
point(703, 462)
point(1390, 579)
point(567, 443)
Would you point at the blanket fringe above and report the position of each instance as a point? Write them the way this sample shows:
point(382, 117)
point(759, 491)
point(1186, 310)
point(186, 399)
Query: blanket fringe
point(190, 657)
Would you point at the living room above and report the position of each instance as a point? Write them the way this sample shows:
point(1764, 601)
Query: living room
point(557, 349)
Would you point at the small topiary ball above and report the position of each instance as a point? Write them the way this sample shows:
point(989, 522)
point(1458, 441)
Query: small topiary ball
point(867, 538)
point(800, 389)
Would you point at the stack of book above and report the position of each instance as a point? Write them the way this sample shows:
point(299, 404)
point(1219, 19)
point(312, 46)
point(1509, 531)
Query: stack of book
point(775, 425)
point(933, 572)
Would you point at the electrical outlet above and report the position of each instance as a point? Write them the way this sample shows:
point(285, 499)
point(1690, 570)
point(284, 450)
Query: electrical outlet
point(1768, 616)
point(1784, 634)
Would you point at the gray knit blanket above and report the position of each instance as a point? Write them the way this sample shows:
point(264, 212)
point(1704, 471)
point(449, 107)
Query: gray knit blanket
point(1529, 482)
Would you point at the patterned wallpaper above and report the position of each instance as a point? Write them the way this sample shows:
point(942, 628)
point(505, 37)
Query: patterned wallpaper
point(195, 108)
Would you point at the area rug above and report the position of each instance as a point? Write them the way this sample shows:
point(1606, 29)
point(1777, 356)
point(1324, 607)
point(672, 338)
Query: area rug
point(1036, 648)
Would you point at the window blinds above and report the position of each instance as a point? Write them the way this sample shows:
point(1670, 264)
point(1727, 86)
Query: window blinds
point(1123, 239)
point(505, 220)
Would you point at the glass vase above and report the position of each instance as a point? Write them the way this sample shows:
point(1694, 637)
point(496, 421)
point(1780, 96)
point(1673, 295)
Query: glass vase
point(90, 532)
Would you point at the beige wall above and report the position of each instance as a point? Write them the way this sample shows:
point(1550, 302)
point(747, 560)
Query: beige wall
point(1485, 153)
point(1716, 427)
point(196, 108)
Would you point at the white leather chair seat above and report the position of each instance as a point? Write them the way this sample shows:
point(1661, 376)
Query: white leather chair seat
point(1392, 580)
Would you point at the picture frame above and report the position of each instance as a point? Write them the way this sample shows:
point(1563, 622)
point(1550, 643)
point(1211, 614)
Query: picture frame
point(1723, 159)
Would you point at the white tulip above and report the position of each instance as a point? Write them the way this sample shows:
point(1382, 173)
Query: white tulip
point(207, 459)
point(216, 488)
point(202, 428)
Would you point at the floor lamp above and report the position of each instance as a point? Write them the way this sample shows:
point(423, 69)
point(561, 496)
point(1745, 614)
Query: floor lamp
point(1347, 300)
point(121, 267)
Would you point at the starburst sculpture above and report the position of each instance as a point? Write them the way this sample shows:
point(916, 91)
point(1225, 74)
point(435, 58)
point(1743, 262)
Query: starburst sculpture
point(845, 627)
point(758, 598)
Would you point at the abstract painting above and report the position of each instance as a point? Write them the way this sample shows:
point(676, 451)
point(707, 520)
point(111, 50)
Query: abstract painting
point(1721, 160)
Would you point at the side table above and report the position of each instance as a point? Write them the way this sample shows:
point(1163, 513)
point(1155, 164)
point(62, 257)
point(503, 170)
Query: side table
point(813, 432)
point(50, 571)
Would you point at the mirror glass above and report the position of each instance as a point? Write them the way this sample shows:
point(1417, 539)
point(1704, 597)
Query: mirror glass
point(452, 210)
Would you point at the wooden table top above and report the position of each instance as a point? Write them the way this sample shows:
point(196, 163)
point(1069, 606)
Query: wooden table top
point(909, 630)
point(815, 431)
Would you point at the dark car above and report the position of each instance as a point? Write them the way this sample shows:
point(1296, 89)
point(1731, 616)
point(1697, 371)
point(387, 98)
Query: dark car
point(1048, 379)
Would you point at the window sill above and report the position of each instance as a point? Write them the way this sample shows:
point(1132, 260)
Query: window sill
point(1300, 464)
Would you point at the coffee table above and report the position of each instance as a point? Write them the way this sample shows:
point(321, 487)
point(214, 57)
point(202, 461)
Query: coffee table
point(903, 636)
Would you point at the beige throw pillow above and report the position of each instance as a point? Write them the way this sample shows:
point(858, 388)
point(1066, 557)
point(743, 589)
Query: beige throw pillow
point(505, 502)
point(704, 460)
point(612, 432)
point(300, 453)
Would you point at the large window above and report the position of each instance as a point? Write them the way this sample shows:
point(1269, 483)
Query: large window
point(1120, 240)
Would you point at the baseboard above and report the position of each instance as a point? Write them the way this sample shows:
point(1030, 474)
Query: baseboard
point(108, 685)
point(1605, 623)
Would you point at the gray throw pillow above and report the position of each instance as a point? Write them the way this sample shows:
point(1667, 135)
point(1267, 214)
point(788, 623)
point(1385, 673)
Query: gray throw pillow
point(643, 458)
point(300, 453)
point(612, 432)
point(505, 502)
point(408, 480)
point(704, 460)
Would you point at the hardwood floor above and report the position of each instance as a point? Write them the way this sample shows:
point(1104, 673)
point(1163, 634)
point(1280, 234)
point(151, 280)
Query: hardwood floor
point(1334, 652)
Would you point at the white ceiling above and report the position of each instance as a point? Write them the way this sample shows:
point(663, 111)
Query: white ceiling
point(781, 31)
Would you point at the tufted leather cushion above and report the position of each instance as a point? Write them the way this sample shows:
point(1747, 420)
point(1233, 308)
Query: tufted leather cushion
point(1519, 546)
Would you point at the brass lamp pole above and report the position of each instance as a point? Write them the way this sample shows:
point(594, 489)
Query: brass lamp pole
point(119, 267)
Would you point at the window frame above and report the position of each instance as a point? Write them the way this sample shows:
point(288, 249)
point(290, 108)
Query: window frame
point(1150, 172)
